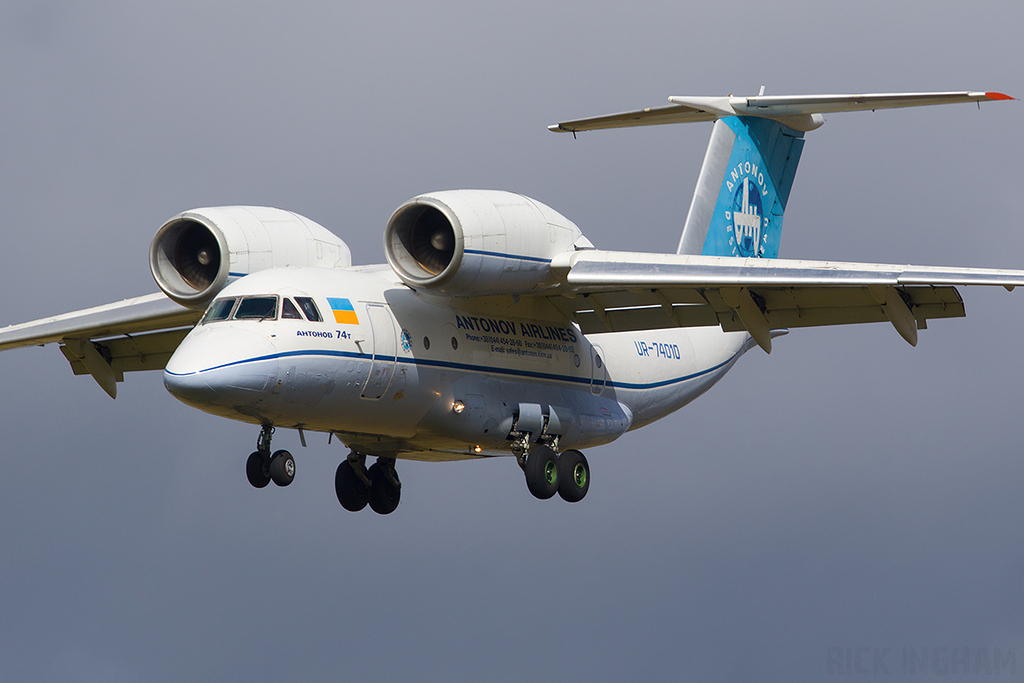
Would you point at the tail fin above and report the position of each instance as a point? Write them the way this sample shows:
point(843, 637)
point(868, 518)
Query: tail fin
point(742, 189)
point(751, 160)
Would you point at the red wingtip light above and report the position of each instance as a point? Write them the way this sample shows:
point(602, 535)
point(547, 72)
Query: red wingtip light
point(998, 96)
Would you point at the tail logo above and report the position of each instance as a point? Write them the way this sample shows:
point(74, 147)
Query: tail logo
point(753, 186)
point(745, 222)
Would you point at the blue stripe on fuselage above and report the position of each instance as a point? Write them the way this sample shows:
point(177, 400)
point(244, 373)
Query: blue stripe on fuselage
point(470, 368)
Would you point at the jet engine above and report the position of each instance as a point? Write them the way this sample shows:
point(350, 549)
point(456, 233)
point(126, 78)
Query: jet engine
point(193, 254)
point(475, 242)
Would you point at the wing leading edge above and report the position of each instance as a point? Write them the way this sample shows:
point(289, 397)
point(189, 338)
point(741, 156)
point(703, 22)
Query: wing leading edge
point(107, 341)
point(607, 291)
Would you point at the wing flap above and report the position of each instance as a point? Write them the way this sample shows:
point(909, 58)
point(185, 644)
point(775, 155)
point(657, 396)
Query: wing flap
point(131, 353)
point(785, 307)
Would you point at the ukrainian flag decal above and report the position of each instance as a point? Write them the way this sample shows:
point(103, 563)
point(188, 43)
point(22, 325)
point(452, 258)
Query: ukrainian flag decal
point(343, 311)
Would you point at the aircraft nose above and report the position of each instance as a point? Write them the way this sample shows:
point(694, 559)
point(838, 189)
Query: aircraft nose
point(222, 365)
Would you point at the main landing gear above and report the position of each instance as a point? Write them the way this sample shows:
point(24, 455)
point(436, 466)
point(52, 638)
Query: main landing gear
point(379, 485)
point(356, 486)
point(548, 472)
point(261, 468)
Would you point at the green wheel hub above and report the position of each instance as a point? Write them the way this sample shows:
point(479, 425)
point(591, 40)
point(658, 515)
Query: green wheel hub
point(579, 475)
point(551, 472)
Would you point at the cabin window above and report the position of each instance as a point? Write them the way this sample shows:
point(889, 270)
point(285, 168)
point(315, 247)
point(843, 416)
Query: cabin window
point(257, 308)
point(309, 308)
point(219, 310)
point(288, 310)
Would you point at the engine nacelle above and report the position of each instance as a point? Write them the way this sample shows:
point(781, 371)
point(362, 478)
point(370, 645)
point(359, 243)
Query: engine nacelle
point(193, 254)
point(474, 242)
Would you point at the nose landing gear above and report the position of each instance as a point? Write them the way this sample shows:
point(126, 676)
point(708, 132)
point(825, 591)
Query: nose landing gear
point(282, 468)
point(261, 468)
point(257, 469)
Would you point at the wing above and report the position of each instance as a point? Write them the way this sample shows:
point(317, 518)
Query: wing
point(606, 291)
point(109, 340)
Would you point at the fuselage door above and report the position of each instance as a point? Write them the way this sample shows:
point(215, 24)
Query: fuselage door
point(385, 352)
point(598, 373)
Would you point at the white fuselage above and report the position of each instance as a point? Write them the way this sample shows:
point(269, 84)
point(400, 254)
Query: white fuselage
point(409, 375)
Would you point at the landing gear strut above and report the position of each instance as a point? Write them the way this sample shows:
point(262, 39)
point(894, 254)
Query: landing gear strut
point(379, 485)
point(261, 468)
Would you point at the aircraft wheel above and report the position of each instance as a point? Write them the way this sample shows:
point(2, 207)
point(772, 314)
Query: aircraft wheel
point(542, 472)
point(282, 468)
point(573, 477)
point(257, 470)
point(352, 493)
point(384, 495)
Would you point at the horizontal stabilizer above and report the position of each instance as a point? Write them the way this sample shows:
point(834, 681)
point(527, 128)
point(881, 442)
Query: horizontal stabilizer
point(799, 112)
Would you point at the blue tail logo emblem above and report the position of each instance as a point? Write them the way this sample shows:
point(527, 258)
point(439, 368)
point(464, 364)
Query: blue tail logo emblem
point(747, 215)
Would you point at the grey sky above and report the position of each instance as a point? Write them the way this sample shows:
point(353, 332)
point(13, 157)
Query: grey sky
point(847, 491)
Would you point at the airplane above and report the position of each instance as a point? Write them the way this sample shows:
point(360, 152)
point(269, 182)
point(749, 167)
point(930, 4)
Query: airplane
point(495, 328)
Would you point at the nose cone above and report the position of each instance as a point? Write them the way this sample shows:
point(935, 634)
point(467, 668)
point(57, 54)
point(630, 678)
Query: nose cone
point(222, 366)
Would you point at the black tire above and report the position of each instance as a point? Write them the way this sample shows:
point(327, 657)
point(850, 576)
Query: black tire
point(573, 476)
point(282, 468)
point(352, 493)
point(257, 470)
point(384, 496)
point(542, 472)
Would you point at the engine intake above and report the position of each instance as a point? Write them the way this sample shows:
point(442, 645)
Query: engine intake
point(476, 242)
point(194, 254)
point(427, 239)
point(186, 260)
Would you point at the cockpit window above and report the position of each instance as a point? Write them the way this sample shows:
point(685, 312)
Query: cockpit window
point(257, 308)
point(309, 308)
point(288, 310)
point(219, 310)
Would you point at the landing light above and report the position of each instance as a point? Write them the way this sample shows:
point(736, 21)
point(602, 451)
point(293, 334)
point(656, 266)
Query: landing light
point(458, 407)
